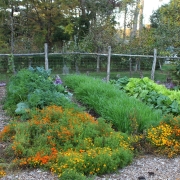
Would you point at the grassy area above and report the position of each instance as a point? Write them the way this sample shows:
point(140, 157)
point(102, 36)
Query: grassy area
point(159, 75)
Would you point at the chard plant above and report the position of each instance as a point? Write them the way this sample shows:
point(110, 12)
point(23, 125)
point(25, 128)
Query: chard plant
point(150, 85)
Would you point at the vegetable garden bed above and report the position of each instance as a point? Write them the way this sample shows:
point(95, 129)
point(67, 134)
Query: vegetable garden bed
point(49, 131)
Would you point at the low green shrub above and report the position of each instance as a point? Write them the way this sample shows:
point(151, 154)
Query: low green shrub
point(111, 104)
point(70, 174)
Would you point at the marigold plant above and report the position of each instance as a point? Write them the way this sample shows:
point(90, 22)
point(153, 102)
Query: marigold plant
point(166, 136)
point(2, 172)
point(63, 139)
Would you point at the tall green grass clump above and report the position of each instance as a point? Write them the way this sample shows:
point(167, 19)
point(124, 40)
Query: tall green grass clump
point(127, 114)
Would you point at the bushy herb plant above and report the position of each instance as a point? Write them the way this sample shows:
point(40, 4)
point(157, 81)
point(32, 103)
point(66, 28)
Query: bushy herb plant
point(110, 103)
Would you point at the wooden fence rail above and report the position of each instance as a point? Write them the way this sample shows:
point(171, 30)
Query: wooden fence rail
point(108, 55)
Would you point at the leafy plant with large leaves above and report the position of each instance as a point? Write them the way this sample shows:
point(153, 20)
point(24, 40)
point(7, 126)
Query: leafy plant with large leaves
point(33, 88)
point(155, 95)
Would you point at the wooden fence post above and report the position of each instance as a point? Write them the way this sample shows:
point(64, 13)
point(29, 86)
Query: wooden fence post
point(130, 66)
point(98, 61)
point(46, 56)
point(154, 64)
point(109, 63)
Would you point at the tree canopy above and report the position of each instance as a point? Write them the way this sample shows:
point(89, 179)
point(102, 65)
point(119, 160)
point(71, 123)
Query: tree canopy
point(25, 25)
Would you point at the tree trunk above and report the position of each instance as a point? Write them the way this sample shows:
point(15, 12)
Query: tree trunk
point(141, 16)
point(82, 2)
point(135, 19)
point(125, 16)
point(12, 37)
point(12, 30)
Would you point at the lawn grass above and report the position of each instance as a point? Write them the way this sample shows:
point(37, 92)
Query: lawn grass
point(159, 75)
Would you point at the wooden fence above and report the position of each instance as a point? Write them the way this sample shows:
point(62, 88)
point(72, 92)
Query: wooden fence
point(108, 55)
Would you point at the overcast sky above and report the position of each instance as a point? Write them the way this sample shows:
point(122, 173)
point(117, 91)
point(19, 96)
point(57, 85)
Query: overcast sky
point(149, 6)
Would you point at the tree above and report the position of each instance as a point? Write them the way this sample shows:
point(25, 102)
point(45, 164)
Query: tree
point(166, 22)
point(124, 7)
point(43, 16)
point(94, 27)
point(8, 9)
point(100, 36)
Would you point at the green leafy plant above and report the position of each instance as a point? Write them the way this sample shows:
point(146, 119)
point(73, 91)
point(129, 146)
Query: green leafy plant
point(120, 83)
point(150, 85)
point(22, 108)
point(33, 88)
point(41, 71)
point(155, 95)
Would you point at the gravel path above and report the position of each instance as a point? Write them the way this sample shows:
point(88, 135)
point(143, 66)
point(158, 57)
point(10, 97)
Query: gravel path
point(3, 117)
point(148, 167)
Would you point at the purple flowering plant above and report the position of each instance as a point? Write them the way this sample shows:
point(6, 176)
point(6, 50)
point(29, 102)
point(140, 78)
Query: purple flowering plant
point(57, 80)
point(2, 84)
point(168, 85)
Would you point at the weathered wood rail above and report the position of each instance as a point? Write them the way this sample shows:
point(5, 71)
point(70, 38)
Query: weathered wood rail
point(108, 55)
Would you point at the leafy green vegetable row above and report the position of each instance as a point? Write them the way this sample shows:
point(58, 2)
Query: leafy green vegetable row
point(155, 95)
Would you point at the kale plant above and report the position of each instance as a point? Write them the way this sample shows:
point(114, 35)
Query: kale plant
point(33, 88)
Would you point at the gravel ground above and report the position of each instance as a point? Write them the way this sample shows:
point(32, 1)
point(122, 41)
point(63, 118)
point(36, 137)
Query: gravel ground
point(148, 167)
point(3, 117)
